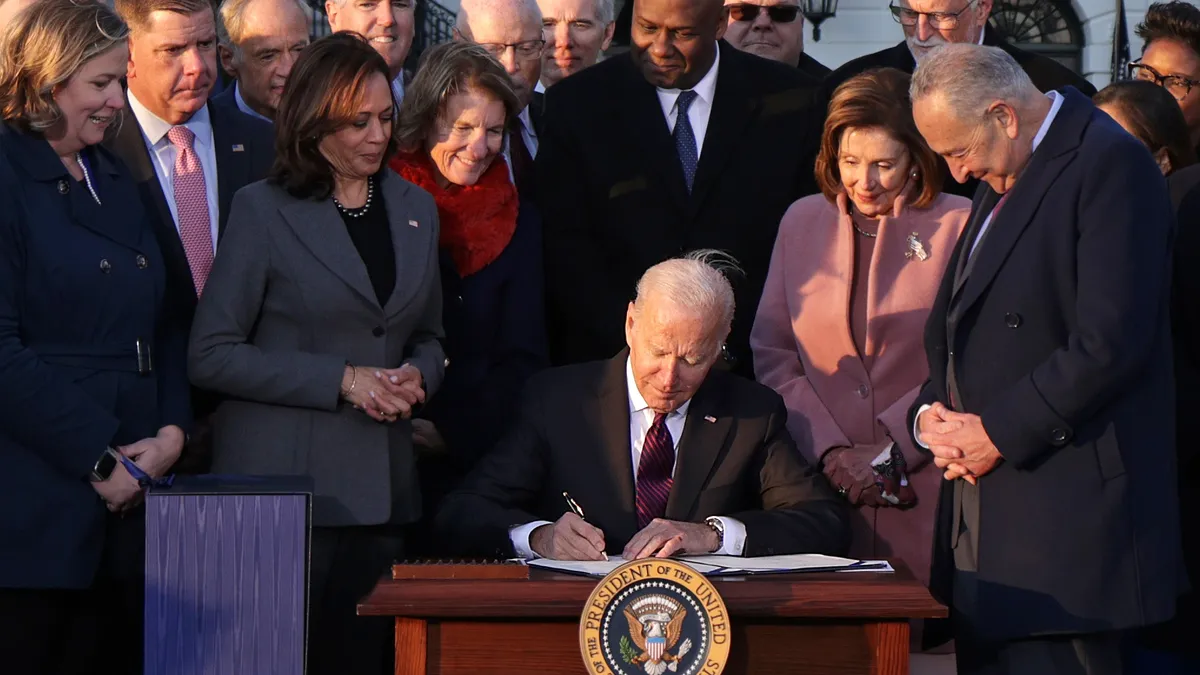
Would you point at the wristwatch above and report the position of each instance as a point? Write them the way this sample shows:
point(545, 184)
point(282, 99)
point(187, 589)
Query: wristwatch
point(105, 465)
point(717, 526)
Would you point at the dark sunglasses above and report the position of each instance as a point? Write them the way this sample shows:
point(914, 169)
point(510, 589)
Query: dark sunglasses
point(777, 13)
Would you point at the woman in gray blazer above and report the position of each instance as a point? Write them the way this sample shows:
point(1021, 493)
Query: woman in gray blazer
point(321, 324)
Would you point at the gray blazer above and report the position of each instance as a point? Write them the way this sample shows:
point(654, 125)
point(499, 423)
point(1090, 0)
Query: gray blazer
point(288, 303)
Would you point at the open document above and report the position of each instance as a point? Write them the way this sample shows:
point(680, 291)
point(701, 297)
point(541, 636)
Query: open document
point(726, 565)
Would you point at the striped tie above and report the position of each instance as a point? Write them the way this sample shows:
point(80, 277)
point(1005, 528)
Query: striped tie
point(654, 472)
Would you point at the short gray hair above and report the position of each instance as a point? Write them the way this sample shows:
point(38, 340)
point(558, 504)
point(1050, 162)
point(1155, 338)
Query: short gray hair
point(696, 281)
point(526, 10)
point(230, 27)
point(605, 12)
point(970, 77)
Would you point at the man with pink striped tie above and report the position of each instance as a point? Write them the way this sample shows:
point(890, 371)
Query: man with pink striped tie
point(659, 453)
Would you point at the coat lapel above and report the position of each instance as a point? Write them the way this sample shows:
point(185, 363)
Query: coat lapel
point(409, 236)
point(732, 110)
point(644, 118)
point(233, 167)
point(698, 451)
point(319, 226)
point(613, 406)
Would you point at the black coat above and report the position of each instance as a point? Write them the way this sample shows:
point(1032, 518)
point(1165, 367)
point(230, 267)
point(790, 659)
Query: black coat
point(1046, 73)
point(615, 202)
point(1060, 340)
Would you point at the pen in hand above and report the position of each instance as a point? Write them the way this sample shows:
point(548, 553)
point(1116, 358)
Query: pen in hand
point(579, 512)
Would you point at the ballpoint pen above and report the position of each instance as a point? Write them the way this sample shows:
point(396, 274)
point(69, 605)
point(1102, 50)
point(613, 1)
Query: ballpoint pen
point(579, 512)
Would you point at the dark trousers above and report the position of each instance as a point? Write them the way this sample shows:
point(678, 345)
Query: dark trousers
point(346, 563)
point(1098, 654)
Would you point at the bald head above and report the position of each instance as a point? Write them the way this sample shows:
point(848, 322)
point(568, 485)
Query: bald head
point(512, 31)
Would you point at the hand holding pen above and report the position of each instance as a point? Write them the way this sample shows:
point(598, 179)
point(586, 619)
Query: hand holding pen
point(570, 538)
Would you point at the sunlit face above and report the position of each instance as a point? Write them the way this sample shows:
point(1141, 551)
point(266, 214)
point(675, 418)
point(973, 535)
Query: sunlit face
point(356, 150)
point(387, 25)
point(10, 8)
point(496, 30)
point(925, 34)
point(468, 136)
point(988, 147)
point(762, 35)
point(574, 37)
point(674, 41)
point(173, 63)
point(670, 351)
point(875, 169)
point(90, 101)
point(1170, 57)
point(274, 32)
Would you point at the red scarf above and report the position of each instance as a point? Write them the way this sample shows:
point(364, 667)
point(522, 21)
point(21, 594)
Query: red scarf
point(477, 220)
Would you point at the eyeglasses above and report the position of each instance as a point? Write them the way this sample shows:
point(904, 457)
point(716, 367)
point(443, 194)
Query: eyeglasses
point(777, 13)
point(529, 49)
point(1176, 85)
point(937, 20)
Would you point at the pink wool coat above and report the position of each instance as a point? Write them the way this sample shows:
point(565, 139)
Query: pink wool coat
point(803, 349)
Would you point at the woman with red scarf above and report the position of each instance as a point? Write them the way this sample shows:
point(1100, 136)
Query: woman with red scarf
point(452, 130)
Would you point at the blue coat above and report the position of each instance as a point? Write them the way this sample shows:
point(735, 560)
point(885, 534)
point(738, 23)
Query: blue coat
point(80, 284)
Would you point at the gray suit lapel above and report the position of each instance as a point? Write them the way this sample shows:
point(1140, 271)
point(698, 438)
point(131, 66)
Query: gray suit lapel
point(411, 234)
point(320, 228)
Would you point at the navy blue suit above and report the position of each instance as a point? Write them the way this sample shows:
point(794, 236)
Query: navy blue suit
point(1057, 335)
point(80, 284)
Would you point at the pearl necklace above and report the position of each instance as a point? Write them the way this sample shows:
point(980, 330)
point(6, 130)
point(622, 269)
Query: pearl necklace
point(361, 211)
point(87, 177)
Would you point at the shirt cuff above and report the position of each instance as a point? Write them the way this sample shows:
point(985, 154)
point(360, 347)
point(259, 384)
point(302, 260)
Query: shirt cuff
point(519, 536)
point(917, 426)
point(734, 540)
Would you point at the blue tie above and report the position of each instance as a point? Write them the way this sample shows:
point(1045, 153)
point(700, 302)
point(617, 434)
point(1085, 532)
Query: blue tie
point(685, 139)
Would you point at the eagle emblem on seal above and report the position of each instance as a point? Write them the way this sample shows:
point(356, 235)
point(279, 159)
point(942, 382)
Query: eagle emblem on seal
point(655, 624)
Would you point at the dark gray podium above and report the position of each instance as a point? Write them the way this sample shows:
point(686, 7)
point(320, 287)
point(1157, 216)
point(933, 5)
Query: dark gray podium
point(227, 576)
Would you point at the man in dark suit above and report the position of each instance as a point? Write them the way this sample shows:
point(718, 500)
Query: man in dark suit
point(1050, 403)
point(187, 155)
point(929, 23)
point(260, 41)
point(627, 180)
point(772, 29)
point(664, 454)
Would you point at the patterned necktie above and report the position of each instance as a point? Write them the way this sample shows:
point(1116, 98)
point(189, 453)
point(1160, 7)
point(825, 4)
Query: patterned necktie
point(685, 138)
point(191, 205)
point(654, 472)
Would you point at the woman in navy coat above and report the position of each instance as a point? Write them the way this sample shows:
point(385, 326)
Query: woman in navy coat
point(93, 393)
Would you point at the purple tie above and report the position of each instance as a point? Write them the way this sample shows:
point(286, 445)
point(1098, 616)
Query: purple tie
point(191, 203)
point(654, 472)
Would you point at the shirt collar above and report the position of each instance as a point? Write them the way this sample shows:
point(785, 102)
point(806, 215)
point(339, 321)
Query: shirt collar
point(706, 88)
point(398, 87)
point(637, 403)
point(1057, 99)
point(526, 121)
point(539, 87)
point(243, 106)
point(156, 129)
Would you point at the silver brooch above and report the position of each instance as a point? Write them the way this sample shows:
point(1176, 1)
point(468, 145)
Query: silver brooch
point(915, 247)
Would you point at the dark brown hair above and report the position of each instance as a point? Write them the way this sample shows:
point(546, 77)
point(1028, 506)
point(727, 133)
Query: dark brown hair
point(137, 13)
point(1171, 20)
point(445, 70)
point(1154, 117)
point(877, 98)
point(323, 94)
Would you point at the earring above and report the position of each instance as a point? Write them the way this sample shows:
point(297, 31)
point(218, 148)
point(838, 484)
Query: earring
point(914, 173)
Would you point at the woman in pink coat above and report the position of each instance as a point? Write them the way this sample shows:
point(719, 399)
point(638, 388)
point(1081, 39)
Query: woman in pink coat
point(840, 327)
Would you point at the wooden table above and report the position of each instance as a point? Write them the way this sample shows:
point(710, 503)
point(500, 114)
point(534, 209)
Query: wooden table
point(852, 623)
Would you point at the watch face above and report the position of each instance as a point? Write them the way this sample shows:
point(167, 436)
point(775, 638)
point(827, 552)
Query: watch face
point(105, 466)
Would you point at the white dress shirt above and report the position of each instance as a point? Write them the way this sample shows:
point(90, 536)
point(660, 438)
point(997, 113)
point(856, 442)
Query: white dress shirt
point(243, 106)
point(398, 88)
point(641, 418)
point(701, 108)
point(162, 152)
point(1055, 106)
point(528, 134)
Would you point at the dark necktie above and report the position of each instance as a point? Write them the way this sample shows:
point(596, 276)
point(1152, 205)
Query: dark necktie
point(685, 138)
point(522, 161)
point(654, 472)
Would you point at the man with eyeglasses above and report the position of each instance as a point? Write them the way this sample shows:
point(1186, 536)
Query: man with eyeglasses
point(1171, 56)
point(772, 29)
point(930, 23)
point(511, 30)
point(576, 31)
point(388, 25)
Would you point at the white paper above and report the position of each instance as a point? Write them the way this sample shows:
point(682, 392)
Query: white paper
point(719, 565)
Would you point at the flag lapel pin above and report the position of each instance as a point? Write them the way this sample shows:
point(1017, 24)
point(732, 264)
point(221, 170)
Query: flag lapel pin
point(413, 223)
point(238, 147)
point(710, 419)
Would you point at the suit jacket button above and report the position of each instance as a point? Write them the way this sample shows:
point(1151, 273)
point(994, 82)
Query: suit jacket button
point(105, 266)
point(63, 187)
point(1012, 320)
point(377, 331)
point(142, 263)
point(1059, 436)
point(863, 391)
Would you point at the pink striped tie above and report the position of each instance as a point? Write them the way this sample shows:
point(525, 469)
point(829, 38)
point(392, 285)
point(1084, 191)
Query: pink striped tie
point(654, 472)
point(191, 204)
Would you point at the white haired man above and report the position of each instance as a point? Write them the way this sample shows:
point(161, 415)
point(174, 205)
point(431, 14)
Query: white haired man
point(1050, 400)
point(772, 29)
point(576, 32)
point(665, 454)
point(511, 30)
point(388, 25)
point(259, 41)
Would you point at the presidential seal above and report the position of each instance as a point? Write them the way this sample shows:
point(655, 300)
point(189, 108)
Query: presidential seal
point(654, 616)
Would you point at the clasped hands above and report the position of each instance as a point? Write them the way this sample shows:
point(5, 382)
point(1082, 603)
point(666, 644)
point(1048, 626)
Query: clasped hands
point(573, 538)
point(959, 443)
point(155, 456)
point(385, 395)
